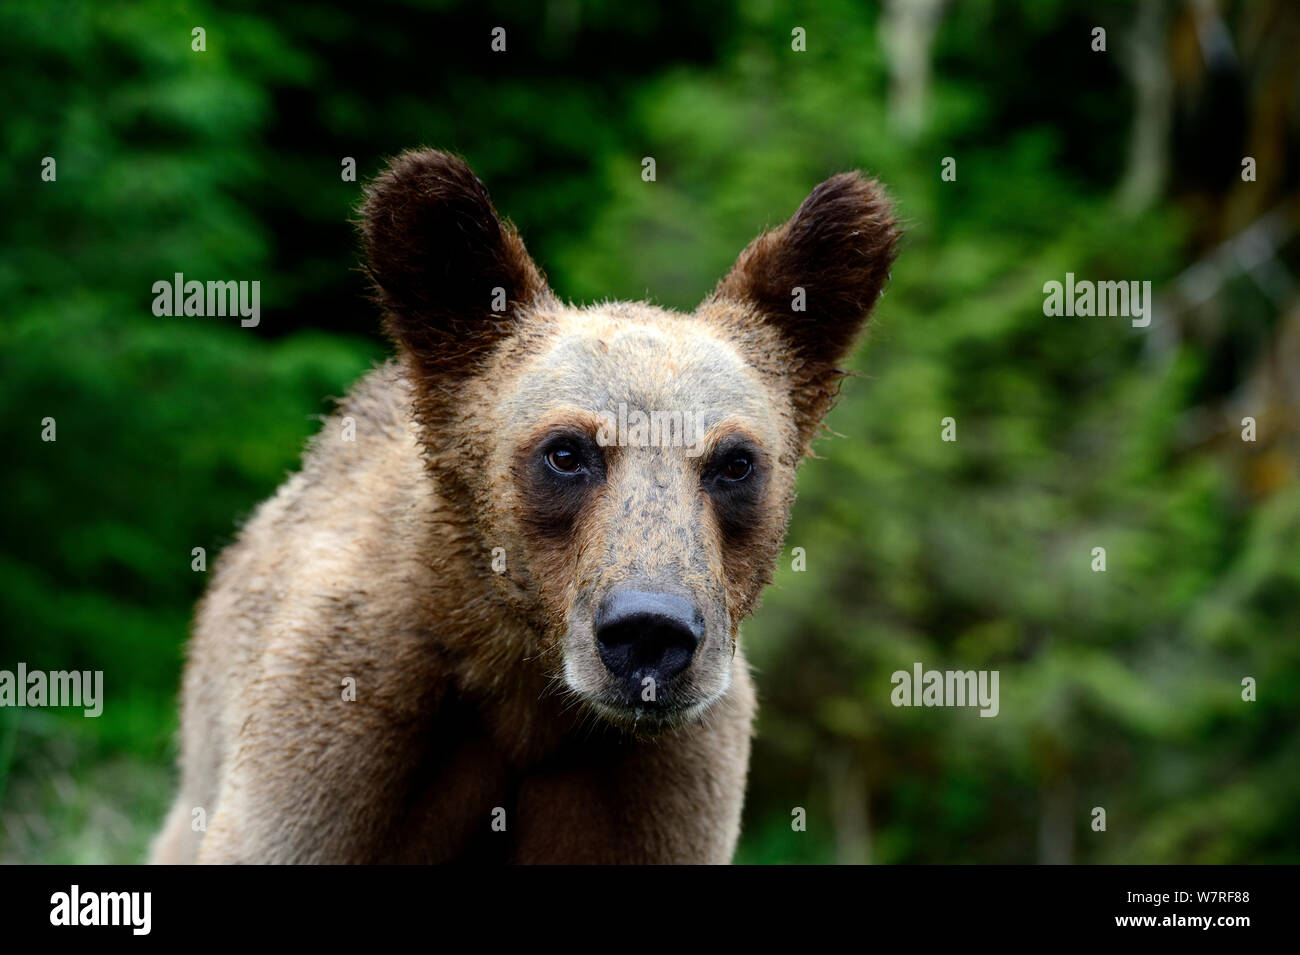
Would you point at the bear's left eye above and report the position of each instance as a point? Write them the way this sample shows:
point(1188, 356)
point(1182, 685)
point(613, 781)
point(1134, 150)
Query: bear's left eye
point(737, 467)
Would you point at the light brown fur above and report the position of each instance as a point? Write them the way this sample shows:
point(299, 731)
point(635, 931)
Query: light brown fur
point(481, 688)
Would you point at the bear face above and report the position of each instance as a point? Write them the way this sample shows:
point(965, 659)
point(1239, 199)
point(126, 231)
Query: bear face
point(647, 485)
point(634, 465)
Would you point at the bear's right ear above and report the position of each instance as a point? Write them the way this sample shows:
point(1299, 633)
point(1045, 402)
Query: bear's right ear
point(449, 274)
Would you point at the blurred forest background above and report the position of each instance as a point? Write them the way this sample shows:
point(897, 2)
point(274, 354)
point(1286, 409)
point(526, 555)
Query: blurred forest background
point(1119, 689)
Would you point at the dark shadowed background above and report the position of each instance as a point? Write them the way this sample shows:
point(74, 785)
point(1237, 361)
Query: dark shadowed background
point(1120, 689)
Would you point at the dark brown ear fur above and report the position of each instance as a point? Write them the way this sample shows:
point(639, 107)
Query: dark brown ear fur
point(436, 250)
point(838, 247)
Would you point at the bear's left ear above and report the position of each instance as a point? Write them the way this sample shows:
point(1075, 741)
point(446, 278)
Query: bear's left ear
point(450, 275)
point(815, 279)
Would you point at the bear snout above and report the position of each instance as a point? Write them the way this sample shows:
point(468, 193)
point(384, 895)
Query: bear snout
point(645, 638)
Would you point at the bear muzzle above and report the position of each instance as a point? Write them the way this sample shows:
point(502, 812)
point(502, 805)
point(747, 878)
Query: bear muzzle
point(646, 639)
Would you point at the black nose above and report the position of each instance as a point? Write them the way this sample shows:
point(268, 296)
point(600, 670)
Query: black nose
point(643, 635)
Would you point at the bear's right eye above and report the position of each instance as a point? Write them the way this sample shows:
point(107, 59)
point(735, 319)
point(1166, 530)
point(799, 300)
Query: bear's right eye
point(564, 459)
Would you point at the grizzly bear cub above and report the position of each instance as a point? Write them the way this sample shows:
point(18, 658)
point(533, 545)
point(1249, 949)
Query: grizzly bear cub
point(496, 615)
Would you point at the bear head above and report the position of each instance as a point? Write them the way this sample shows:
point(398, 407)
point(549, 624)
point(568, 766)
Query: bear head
point(634, 466)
